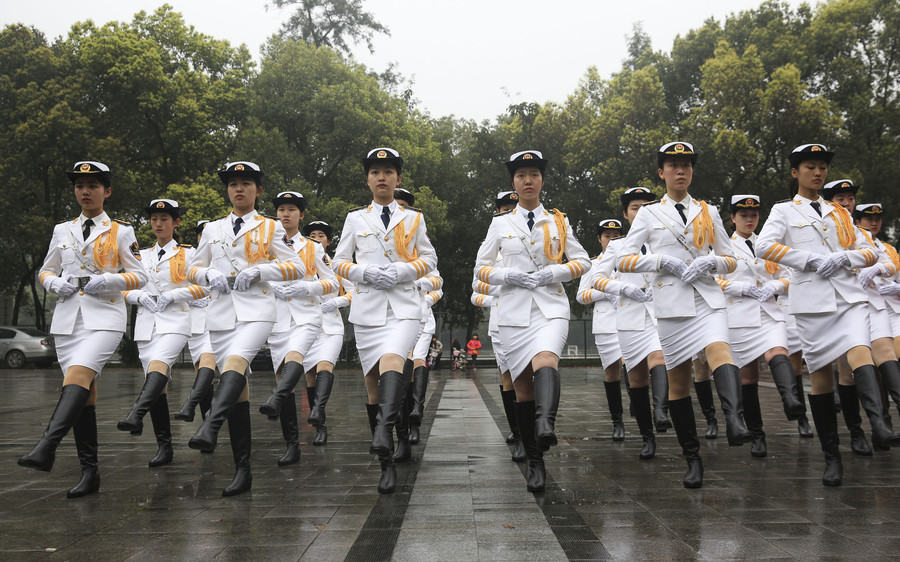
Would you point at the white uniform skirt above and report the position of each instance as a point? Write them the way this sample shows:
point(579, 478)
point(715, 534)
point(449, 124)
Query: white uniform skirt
point(794, 345)
point(522, 343)
point(244, 340)
point(895, 324)
point(161, 347)
point(748, 344)
point(395, 336)
point(87, 348)
point(420, 351)
point(499, 355)
point(608, 348)
point(879, 324)
point(299, 338)
point(636, 345)
point(828, 335)
point(327, 347)
point(199, 345)
point(682, 338)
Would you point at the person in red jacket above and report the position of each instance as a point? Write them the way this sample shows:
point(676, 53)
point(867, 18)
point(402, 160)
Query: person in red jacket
point(473, 346)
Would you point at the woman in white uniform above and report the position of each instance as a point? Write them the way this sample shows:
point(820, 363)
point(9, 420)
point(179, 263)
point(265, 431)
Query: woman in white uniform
point(90, 261)
point(756, 327)
point(201, 354)
point(534, 309)
point(299, 321)
point(818, 240)
point(163, 324)
point(689, 305)
point(603, 326)
point(239, 256)
point(384, 248)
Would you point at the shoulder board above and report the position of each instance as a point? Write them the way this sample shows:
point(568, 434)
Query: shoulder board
point(651, 202)
point(784, 201)
point(219, 218)
point(599, 256)
point(185, 246)
point(557, 212)
point(617, 237)
point(146, 248)
point(503, 213)
point(409, 208)
point(360, 208)
point(260, 217)
point(126, 223)
point(73, 221)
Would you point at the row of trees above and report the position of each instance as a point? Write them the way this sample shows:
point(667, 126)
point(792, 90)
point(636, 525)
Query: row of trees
point(166, 106)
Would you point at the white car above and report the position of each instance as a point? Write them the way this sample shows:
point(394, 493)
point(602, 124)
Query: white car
point(20, 345)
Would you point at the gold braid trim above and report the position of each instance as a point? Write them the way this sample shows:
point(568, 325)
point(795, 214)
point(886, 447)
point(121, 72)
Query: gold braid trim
point(106, 248)
point(845, 231)
point(771, 267)
point(704, 232)
point(262, 247)
point(560, 219)
point(402, 240)
point(308, 255)
point(892, 253)
point(178, 267)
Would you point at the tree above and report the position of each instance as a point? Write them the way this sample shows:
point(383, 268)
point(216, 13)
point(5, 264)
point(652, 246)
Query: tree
point(331, 23)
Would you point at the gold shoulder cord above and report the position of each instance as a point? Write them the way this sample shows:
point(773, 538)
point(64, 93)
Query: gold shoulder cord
point(178, 267)
point(308, 255)
point(704, 232)
point(262, 247)
point(106, 248)
point(560, 219)
point(402, 240)
point(845, 232)
point(892, 253)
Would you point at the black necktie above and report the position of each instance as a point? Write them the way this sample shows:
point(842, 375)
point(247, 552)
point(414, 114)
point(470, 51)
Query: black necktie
point(750, 245)
point(160, 254)
point(530, 220)
point(815, 206)
point(86, 231)
point(386, 216)
point(680, 208)
point(643, 248)
point(237, 225)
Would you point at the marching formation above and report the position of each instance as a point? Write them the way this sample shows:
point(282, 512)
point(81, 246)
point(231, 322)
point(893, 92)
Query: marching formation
point(676, 303)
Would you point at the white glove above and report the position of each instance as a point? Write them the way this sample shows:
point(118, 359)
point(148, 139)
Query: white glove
point(164, 300)
point(246, 278)
point(146, 301)
point(371, 274)
point(62, 287)
point(773, 287)
point(95, 285)
point(542, 277)
point(753, 292)
point(387, 277)
point(674, 266)
point(329, 306)
point(814, 261)
point(833, 263)
point(199, 303)
point(698, 268)
point(299, 289)
point(868, 275)
point(520, 279)
point(889, 289)
point(635, 293)
point(217, 281)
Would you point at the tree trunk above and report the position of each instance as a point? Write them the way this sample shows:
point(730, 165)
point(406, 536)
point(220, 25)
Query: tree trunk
point(40, 317)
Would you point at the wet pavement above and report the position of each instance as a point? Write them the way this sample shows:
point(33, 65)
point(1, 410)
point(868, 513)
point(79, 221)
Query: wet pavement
point(461, 498)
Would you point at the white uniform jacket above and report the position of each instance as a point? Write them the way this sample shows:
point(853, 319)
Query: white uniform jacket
point(365, 241)
point(166, 273)
point(488, 296)
point(744, 312)
point(431, 287)
point(794, 232)
point(654, 225)
point(604, 311)
point(111, 250)
point(607, 278)
point(885, 263)
point(528, 252)
point(259, 243)
point(333, 322)
point(893, 301)
point(319, 280)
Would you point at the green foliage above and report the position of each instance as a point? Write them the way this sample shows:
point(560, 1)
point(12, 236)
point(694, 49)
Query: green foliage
point(331, 23)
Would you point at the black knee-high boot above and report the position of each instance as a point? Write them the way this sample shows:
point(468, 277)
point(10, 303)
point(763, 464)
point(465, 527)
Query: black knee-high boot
point(290, 430)
point(537, 474)
point(403, 452)
point(614, 401)
point(239, 431)
point(162, 429)
point(659, 385)
point(850, 410)
point(546, 404)
point(201, 389)
point(321, 437)
point(72, 399)
point(640, 400)
point(870, 399)
point(154, 383)
point(509, 407)
point(85, 431)
point(728, 386)
point(838, 403)
point(391, 389)
point(803, 427)
point(290, 375)
point(324, 384)
point(388, 480)
point(753, 417)
point(708, 407)
point(682, 412)
point(786, 380)
point(420, 387)
point(890, 378)
point(229, 390)
point(822, 407)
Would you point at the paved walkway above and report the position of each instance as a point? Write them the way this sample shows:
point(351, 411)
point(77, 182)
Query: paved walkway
point(461, 498)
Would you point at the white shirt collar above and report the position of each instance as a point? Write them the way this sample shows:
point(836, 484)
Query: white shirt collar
point(538, 211)
point(820, 200)
point(99, 220)
point(392, 206)
point(686, 201)
point(246, 218)
point(170, 245)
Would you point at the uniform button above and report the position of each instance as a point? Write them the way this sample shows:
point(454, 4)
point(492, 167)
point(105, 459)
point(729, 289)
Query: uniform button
point(824, 228)
point(81, 293)
point(112, 300)
point(82, 267)
point(385, 254)
point(386, 238)
point(265, 292)
point(532, 241)
point(232, 273)
point(234, 243)
point(157, 270)
point(685, 231)
point(83, 252)
point(659, 284)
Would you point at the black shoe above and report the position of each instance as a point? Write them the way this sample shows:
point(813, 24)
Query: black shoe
point(870, 399)
point(786, 380)
point(419, 388)
point(753, 417)
point(822, 407)
point(290, 430)
point(708, 407)
point(321, 437)
point(728, 386)
point(509, 408)
point(231, 384)
point(290, 375)
point(659, 386)
point(71, 401)
point(154, 383)
point(162, 429)
point(640, 402)
point(202, 387)
point(546, 404)
point(519, 453)
point(537, 474)
point(403, 452)
point(391, 390)
point(388, 480)
point(682, 412)
point(803, 427)
point(85, 432)
point(239, 431)
point(614, 401)
point(850, 410)
point(324, 383)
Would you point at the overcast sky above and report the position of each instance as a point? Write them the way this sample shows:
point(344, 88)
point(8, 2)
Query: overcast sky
point(467, 58)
